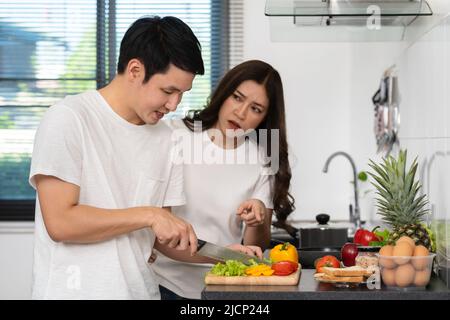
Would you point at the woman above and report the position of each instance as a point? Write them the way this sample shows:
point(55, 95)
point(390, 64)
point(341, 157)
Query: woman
point(230, 198)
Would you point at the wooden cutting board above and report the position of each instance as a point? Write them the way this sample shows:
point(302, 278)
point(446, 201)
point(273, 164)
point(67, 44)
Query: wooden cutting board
point(289, 280)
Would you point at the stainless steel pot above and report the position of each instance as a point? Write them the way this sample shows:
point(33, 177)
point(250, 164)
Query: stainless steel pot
point(322, 234)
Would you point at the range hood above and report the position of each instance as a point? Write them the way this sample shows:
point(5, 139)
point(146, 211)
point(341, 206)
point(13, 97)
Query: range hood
point(360, 20)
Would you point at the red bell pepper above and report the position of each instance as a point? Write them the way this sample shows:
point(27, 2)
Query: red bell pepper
point(364, 237)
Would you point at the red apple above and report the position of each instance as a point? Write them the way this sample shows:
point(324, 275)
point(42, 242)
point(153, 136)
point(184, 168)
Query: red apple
point(349, 252)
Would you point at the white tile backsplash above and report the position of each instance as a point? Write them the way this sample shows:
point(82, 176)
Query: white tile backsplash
point(446, 71)
point(423, 86)
point(424, 74)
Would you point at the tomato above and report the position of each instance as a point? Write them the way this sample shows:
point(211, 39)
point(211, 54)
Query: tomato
point(284, 268)
point(327, 261)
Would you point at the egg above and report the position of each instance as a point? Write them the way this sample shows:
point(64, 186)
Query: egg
point(388, 276)
point(422, 278)
point(404, 275)
point(420, 260)
point(403, 252)
point(386, 250)
point(406, 239)
point(385, 257)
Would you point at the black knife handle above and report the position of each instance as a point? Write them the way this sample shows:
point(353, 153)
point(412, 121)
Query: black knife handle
point(200, 244)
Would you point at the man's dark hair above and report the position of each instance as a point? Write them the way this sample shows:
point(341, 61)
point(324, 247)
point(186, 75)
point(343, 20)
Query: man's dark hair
point(157, 42)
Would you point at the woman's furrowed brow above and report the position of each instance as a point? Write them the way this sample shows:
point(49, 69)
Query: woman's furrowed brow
point(241, 93)
point(257, 103)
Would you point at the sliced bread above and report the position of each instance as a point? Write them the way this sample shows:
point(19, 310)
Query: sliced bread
point(347, 272)
point(329, 278)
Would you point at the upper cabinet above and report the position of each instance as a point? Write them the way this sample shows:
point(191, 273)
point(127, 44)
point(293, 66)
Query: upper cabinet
point(343, 20)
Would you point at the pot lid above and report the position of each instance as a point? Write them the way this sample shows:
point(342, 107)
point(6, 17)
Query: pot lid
point(323, 223)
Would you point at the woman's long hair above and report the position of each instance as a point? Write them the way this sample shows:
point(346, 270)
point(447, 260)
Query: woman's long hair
point(266, 75)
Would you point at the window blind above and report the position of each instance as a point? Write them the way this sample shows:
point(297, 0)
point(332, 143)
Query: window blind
point(235, 32)
point(47, 51)
point(198, 14)
point(53, 48)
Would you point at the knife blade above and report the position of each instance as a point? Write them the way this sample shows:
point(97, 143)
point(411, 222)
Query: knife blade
point(214, 251)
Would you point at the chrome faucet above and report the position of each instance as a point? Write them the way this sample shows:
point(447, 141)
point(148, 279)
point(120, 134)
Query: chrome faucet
point(355, 216)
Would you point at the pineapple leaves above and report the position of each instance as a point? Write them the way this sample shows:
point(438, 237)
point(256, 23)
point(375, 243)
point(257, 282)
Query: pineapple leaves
point(397, 191)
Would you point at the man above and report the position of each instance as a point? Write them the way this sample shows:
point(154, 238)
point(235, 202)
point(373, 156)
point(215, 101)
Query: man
point(104, 177)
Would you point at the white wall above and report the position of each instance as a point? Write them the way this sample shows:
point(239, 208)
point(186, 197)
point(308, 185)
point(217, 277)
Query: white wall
point(328, 90)
point(16, 259)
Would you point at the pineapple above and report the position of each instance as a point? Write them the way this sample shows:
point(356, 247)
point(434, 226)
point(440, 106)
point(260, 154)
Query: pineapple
point(398, 201)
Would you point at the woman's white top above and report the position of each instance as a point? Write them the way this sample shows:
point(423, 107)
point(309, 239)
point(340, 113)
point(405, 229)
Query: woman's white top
point(216, 182)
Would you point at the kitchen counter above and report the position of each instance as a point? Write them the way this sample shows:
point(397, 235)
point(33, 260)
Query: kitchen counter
point(310, 289)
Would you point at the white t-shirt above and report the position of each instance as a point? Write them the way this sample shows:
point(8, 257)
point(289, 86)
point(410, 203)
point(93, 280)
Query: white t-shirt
point(117, 165)
point(214, 190)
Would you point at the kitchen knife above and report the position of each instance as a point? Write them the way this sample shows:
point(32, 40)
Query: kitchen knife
point(211, 250)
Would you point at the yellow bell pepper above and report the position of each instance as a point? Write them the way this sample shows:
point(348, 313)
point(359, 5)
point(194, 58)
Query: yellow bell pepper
point(259, 270)
point(284, 252)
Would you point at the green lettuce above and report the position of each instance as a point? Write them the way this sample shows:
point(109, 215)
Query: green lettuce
point(230, 268)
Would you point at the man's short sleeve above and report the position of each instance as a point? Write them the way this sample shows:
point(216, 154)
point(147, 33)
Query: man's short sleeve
point(175, 195)
point(58, 146)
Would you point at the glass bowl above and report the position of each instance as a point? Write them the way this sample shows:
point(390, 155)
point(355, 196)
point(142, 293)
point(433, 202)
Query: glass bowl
point(406, 273)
